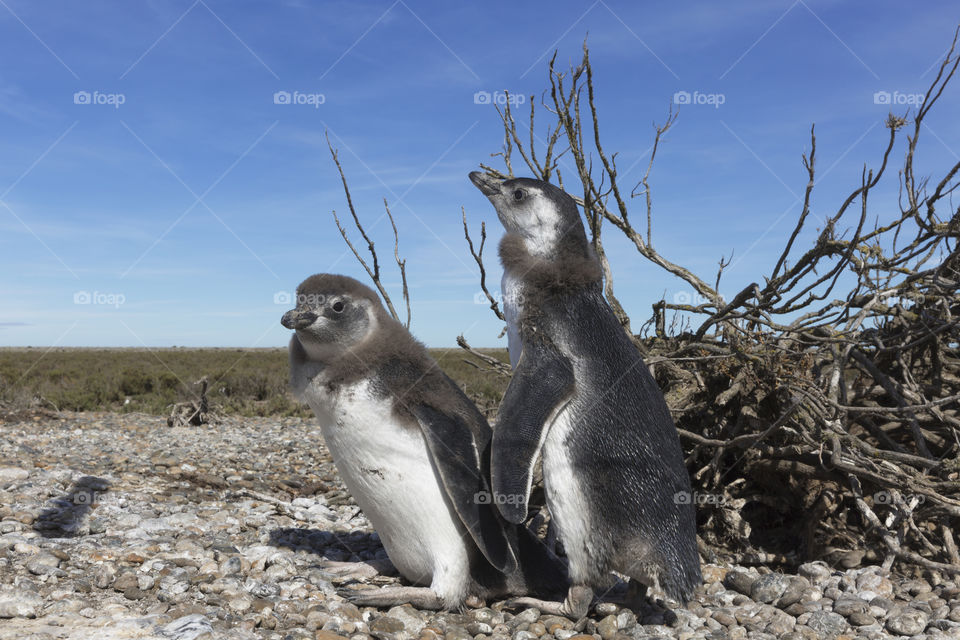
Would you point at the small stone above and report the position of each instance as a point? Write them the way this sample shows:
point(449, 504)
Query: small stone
point(739, 581)
point(769, 587)
point(537, 629)
point(479, 627)
point(386, 624)
point(527, 616)
point(412, 621)
point(346, 610)
point(186, 627)
point(847, 605)
point(607, 628)
point(626, 620)
point(605, 609)
point(231, 566)
point(20, 604)
point(126, 581)
point(712, 573)
point(724, 617)
point(826, 623)
point(797, 588)
point(915, 587)
point(816, 572)
point(45, 565)
point(556, 623)
point(240, 603)
point(12, 474)
point(133, 593)
point(860, 619)
point(907, 622)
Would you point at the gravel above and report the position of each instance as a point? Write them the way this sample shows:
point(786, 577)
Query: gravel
point(117, 526)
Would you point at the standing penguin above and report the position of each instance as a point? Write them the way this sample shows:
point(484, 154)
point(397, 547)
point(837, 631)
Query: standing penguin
point(582, 396)
point(410, 447)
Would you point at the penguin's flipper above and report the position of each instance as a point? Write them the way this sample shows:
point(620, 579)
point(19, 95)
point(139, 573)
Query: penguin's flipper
point(454, 452)
point(541, 386)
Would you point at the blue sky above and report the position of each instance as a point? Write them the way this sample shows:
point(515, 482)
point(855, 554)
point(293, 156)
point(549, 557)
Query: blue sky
point(147, 165)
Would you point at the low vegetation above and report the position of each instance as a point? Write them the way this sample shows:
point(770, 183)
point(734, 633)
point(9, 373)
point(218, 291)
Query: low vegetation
point(247, 382)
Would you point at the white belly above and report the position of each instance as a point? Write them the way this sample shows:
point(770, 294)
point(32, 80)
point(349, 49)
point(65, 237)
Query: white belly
point(387, 468)
point(512, 309)
point(568, 506)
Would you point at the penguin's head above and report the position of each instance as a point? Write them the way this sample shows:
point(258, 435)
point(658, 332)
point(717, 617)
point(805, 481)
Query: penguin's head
point(543, 215)
point(333, 314)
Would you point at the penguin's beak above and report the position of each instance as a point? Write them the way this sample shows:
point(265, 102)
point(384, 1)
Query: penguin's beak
point(487, 184)
point(297, 319)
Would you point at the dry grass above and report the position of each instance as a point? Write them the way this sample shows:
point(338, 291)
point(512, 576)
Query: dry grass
point(249, 382)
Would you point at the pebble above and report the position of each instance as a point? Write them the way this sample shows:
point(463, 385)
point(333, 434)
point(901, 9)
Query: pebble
point(20, 604)
point(816, 572)
point(826, 623)
point(907, 622)
point(768, 588)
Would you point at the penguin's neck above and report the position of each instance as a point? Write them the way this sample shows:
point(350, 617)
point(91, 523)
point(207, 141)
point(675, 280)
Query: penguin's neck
point(564, 268)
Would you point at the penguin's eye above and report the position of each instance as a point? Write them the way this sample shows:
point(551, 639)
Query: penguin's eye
point(518, 195)
point(338, 306)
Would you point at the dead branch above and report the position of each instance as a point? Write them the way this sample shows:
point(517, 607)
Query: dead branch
point(374, 272)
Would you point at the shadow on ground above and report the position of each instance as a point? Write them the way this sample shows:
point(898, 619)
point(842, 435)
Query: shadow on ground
point(65, 514)
point(340, 547)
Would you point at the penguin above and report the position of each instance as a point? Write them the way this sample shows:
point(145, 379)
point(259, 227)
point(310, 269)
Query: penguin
point(583, 399)
point(412, 450)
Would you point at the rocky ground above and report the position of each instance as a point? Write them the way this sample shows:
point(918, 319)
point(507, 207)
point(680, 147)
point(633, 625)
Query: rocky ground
point(116, 526)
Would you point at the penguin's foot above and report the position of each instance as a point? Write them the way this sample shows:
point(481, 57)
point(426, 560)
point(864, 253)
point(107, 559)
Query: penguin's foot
point(419, 597)
point(575, 606)
point(636, 596)
point(359, 570)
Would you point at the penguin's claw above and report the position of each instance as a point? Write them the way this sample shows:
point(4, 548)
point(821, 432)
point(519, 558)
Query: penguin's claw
point(419, 597)
point(575, 606)
point(358, 570)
